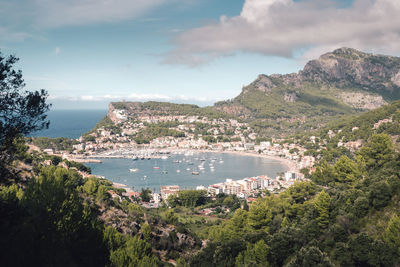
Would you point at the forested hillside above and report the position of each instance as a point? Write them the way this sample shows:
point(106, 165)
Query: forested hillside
point(347, 215)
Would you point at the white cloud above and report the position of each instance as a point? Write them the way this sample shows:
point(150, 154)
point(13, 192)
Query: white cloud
point(13, 36)
point(283, 27)
point(133, 97)
point(58, 13)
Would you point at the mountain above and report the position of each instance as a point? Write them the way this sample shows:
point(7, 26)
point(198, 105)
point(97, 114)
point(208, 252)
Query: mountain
point(339, 83)
point(342, 82)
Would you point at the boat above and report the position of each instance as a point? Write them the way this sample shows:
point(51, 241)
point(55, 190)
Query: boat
point(188, 169)
point(133, 170)
point(194, 172)
point(164, 172)
point(135, 158)
point(178, 171)
point(155, 167)
point(202, 159)
point(164, 157)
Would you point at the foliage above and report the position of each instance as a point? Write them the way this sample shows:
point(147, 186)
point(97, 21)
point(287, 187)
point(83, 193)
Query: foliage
point(145, 195)
point(50, 223)
point(321, 204)
point(58, 144)
point(254, 255)
point(350, 221)
point(135, 252)
point(154, 131)
point(79, 166)
point(392, 233)
point(188, 198)
point(21, 112)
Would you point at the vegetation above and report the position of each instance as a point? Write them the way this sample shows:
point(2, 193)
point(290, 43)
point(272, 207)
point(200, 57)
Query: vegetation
point(154, 131)
point(165, 108)
point(21, 112)
point(58, 144)
point(346, 223)
point(105, 123)
point(188, 198)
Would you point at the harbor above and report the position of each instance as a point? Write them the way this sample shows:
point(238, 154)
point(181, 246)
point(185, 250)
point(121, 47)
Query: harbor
point(185, 168)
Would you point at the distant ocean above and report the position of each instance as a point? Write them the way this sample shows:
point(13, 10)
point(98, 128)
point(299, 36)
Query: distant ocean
point(70, 123)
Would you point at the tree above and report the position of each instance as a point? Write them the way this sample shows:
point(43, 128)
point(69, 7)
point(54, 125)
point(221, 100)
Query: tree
point(380, 194)
point(346, 170)
point(146, 232)
point(322, 204)
point(310, 256)
point(324, 174)
point(135, 252)
point(145, 195)
point(53, 224)
point(254, 255)
point(170, 217)
point(361, 206)
point(378, 151)
point(392, 233)
point(21, 112)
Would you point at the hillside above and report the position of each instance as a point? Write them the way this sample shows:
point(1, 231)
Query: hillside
point(121, 110)
point(347, 215)
point(346, 136)
point(342, 82)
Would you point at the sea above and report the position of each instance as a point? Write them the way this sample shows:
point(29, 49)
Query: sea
point(70, 123)
point(175, 170)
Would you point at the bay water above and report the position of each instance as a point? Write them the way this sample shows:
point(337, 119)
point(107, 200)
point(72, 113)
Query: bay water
point(176, 170)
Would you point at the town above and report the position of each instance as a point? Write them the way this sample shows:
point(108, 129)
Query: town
point(127, 136)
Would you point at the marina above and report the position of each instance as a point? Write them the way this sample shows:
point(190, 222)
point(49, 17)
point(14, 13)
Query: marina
point(185, 170)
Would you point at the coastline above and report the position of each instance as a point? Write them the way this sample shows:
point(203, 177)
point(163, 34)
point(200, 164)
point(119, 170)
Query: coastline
point(289, 163)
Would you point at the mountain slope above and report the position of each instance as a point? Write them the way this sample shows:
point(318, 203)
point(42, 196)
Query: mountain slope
point(342, 82)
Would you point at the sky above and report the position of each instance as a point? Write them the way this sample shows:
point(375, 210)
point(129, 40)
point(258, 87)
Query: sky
point(87, 53)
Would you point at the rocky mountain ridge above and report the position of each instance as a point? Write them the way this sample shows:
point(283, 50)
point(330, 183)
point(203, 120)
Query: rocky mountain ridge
point(344, 67)
point(342, 82)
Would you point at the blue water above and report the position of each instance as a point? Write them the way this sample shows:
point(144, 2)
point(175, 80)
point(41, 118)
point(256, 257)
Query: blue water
point(70, 123)
point(73, 123)
point(233, 166)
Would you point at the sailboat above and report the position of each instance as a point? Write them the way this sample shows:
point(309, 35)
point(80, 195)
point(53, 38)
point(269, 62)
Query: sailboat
point(155, 167)
point(194, 172)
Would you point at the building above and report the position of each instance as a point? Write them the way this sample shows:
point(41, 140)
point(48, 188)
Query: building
point(168, 190)
point(215, 189)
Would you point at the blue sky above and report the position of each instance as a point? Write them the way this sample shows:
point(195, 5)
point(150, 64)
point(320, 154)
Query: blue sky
point(87, 54)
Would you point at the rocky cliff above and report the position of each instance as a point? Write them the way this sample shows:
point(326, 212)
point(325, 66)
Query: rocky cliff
point(342, 82)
